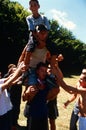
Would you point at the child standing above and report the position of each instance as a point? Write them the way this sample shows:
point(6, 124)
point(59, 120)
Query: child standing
point(38, 110)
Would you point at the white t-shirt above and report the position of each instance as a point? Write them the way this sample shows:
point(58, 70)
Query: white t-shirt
point(5, 102)
point(39, 55)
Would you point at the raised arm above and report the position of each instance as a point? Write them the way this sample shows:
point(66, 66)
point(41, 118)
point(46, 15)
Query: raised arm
point(16, 74)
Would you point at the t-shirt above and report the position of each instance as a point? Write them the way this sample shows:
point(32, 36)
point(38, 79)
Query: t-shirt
point(5, 103)
point(38, 106)
point(32, 22)
point(39, 55)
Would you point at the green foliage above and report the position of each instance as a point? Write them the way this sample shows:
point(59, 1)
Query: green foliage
point(73, 50)
point(13, 30)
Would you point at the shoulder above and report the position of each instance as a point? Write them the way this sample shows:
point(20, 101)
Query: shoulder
point(29, 17)
point(43, 16)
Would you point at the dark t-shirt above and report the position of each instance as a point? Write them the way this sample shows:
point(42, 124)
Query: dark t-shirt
point(38, 106)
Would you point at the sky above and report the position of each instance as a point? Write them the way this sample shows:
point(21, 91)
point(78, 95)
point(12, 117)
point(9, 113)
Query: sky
point(69, 14)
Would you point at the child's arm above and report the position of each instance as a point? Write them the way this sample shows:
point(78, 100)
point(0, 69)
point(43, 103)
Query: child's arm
point(29, 93)
point(71, 99)
point(21, 58)
point(25, 56)
point(16, 74)
point(68, 88)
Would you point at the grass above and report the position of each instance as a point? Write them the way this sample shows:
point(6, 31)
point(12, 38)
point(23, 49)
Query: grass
point(62, 122)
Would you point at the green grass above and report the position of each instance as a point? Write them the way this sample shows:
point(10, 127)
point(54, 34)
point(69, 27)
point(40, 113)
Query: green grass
point(62, 122)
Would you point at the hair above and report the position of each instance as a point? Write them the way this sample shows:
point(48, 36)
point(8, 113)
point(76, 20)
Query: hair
point(41, 64)
point(11, 66)
point(34, 1)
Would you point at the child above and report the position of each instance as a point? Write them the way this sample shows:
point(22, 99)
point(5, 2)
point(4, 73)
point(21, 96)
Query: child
point(36, 18)
point(81, 87)
point(74, 116)
point(32, 21)
point(82, 103)
point(5, 103)
point(38, 111)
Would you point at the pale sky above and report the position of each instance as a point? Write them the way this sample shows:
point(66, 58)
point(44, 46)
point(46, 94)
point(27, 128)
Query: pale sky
point(69, 13)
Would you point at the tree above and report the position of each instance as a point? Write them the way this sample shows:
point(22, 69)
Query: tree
point(73, 50)
point(13, 31)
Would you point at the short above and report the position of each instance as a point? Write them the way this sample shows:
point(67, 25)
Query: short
point(31, 44)
point(82, 123)
point(38, 124)
point(32, 77)
point(52, 109)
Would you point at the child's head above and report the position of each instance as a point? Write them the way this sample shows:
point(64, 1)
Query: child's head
point(41, 70)
point(82, 79)
point(11, 68)
point(84, 71)
point(41, 32)
point(34, 5)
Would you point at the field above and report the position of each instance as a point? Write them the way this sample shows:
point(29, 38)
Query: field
point(62, 122)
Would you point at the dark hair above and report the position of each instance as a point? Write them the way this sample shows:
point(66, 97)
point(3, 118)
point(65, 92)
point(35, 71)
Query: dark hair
point(41, 64)
point(34, 1)
point(11, 66)
point(40, 27)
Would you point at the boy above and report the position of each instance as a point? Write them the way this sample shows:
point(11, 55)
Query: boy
point(74, 116)
point(81, 91)
point(5, 102)
point(36, 18)
point(38, 111)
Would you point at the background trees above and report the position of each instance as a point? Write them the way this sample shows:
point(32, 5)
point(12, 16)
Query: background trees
point(14, 35)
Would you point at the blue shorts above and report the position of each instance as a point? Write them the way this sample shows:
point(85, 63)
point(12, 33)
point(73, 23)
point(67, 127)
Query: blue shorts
point(31, 44)
point(32, 77)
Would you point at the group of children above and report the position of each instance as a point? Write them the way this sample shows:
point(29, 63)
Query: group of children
point(42, 85)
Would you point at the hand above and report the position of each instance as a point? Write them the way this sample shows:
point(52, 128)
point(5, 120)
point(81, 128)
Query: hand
point(30, 93)
point(60, 57)
point(22, 66)
point(66, 104)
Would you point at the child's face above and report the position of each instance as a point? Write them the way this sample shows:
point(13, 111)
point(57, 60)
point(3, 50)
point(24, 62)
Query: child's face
point(42, 72)
point(82, 80)
point(33, 6)
point(42, 35)
point(84, 71)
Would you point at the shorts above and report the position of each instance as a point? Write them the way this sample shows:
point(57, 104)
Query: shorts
point(31, 44)
point(32, 77)
point(82, 123)
point(52, 109)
